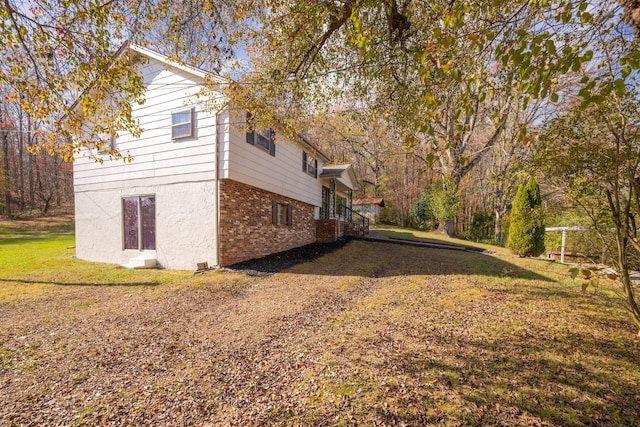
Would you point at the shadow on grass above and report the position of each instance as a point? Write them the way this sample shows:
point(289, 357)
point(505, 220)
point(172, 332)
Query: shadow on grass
point(384, 259)
point(30, 239)
point(410, 237)
point(49, 282)
point(31, 230)
point(513, 380)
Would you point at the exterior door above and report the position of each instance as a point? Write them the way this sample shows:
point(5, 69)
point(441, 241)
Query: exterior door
point(139, 220)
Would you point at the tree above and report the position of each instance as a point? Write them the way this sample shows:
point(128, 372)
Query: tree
point(632, 13)
point(54, 52)
point(447, 76)
point(444, 200)
point(29, 181)
point(526, 231)
point(591, 149)
point(594, 155)
point(412, 59)
point(422, 214)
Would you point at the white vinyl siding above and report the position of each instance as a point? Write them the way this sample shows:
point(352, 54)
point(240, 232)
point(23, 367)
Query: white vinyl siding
point(280, 174)
point(157, 158)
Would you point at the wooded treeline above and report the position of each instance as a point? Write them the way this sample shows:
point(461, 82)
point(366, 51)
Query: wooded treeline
point(446, 119)
point(32, 181)
point(405, 175)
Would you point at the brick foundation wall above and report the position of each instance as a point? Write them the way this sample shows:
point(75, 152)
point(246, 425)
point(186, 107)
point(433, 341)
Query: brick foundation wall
point(351, 230)
point(326, 231)
point(246, 228)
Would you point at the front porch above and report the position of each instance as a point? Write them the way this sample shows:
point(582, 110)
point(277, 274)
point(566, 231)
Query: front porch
point(337, 218)
point(331, 229)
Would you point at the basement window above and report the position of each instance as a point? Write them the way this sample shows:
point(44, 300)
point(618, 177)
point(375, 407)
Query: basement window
point(282, 214)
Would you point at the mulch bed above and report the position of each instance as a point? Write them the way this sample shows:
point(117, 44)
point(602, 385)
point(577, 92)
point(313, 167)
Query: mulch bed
point(281, 261)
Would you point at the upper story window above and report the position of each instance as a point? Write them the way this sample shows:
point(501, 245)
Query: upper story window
point(309, 165)
point(262, 138)
point(182, 124)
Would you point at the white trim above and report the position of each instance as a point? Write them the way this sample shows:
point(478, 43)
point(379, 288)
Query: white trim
point(191, 111)
point(184, 67)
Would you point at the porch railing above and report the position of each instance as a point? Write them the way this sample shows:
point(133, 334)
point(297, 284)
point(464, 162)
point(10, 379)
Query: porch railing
point(356, 218)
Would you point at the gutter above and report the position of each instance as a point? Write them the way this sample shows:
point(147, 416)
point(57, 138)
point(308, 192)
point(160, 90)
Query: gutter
point(218, 143)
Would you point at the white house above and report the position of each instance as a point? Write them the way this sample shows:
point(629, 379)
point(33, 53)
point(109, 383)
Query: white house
point(198, 189)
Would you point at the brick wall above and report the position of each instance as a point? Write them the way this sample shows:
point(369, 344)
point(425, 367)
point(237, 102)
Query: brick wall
point(351, 230)
point(326, 231)
point(246, 228)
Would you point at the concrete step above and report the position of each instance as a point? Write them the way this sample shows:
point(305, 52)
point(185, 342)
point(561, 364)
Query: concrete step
point(138, 263)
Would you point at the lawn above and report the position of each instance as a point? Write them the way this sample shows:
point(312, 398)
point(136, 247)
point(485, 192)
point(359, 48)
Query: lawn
point(37, 258)
point(407, 234)
point(371, 334)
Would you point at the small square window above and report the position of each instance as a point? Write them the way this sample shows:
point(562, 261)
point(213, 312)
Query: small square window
point(181, 124)
point(263, 137)
point(282, 214)
point(107, 143)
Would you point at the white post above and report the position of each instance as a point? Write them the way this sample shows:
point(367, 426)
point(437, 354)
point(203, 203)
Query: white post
point(564, 236)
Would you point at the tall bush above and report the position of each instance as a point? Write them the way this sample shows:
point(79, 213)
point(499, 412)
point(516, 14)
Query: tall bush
point(422, 216)
point(526, 232)
point(444, 200)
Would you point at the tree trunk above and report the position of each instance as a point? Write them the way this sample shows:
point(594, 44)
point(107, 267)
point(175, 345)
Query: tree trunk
point(30, 165)
point(38, 178)
point(21, 164)
point(5, 161)
point(627, 285)
point(447, 228)
point(497, 230)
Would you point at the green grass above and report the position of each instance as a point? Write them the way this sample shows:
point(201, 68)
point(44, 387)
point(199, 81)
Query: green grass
point(38, 257)
point(400, 233)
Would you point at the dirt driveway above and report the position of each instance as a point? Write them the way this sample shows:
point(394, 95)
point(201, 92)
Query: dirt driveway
point(372, 334)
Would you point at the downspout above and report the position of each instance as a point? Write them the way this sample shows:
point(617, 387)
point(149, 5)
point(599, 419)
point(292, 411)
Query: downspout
point(218, 144)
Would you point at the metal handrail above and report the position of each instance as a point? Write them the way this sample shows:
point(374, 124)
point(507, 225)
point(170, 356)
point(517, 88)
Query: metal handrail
point(348, 214)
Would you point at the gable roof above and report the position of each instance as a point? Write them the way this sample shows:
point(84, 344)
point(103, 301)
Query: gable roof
point(197, 72)
point(369, 201)
point(341, 173)
point(176, 64)
point(300, 140)
point(330, 171)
